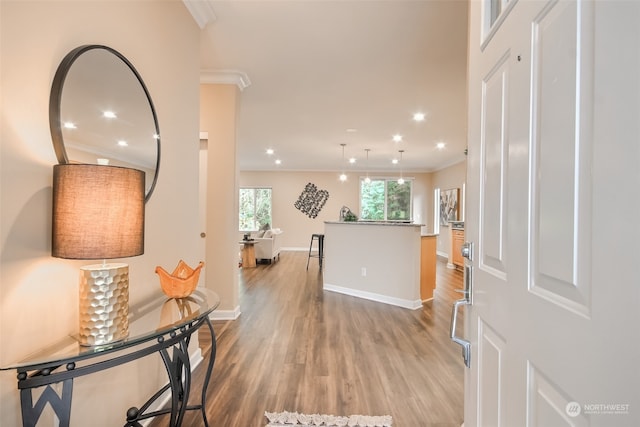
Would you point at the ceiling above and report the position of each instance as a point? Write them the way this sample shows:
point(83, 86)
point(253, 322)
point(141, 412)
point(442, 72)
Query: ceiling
point(319, 74)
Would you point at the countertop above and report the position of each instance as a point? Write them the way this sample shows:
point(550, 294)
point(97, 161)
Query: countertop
point(386, 223)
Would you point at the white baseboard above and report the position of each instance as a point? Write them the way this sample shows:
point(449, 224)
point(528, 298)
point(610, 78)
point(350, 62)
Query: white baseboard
point(442, 254)
point(225, 314)
point(404, 303)
point(295, 249)
point(427, 300)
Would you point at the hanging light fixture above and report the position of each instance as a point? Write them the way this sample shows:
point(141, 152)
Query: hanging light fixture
point(343, 176)
point(401, 179)
point(367, 180)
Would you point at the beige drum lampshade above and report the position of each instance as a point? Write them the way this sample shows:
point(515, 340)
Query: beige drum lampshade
point(98, 213)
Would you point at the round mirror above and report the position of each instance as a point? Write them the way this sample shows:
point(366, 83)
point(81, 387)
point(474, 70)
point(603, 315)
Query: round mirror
point(100, 112)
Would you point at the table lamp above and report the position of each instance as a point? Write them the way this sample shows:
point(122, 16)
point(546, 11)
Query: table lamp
point(98, 213)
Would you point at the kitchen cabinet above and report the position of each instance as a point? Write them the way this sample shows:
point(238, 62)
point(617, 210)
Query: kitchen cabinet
point(457, 240)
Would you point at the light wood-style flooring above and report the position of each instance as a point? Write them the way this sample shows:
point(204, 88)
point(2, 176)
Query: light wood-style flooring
point(298, 348)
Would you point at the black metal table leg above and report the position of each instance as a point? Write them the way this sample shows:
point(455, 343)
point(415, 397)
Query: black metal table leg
point(61, 405)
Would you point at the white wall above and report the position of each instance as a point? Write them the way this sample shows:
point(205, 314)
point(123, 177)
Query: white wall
point(38, 293)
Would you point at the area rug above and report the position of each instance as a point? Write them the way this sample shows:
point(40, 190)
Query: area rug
point(287, 419)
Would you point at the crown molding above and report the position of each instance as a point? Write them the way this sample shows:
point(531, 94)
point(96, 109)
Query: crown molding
point(234, 77)
point(201, 11)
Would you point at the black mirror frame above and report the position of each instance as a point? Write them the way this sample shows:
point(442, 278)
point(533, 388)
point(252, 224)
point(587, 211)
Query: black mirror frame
point(55, 99)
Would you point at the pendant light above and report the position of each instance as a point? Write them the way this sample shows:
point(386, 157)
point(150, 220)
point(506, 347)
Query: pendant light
point(343, 176)
point(401, 179)
point(367, 180)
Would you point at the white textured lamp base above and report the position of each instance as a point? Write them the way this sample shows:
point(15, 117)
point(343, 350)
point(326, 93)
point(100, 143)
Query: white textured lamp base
point(104, 303)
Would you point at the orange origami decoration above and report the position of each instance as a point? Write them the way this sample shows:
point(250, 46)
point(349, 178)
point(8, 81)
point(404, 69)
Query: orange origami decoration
point(182, 282)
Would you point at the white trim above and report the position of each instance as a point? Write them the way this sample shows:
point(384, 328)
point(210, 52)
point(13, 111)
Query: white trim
point(204, 135)
point(229, 77)
point(399, 302)
point(295, 249)
point(201, 11)
point(225, 314)
point(442, 254)
point(448, 165)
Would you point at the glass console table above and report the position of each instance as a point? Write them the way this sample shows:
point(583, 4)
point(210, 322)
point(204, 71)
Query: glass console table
point(161, 326)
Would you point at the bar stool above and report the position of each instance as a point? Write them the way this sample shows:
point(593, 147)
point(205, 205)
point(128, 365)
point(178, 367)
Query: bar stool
point(320, 253)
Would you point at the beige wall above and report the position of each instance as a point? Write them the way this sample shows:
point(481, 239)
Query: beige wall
point(287, 187)
point(38, 293)
point(377, 262)
point(445, 179)
point(218, 116)
point(298, 227)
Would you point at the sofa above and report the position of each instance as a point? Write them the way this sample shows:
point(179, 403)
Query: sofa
point(268, 245)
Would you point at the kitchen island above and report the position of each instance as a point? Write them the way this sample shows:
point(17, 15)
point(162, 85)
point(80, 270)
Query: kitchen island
point(379, 261)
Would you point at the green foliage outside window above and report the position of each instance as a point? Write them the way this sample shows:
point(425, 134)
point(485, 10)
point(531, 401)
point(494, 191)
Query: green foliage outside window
point(398, 201)
point(372, 200)
point(383, 199)
point(254, 208)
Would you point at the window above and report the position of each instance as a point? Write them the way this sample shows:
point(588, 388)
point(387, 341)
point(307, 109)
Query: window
point(494, 13)
point(385, 200)
point(255, 208)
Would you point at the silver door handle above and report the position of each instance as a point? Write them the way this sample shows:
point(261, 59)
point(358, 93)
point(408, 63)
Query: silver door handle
point(468, 280)
point(467, 300)
point(466, 345)
point(467, 250)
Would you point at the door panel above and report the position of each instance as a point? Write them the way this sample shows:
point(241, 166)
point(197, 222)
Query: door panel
point(491, 375)
point(494, 166)
point(549, 405)
point(561, 147)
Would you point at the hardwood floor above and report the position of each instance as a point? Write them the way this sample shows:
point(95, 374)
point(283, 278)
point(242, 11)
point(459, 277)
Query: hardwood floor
point(298, 348)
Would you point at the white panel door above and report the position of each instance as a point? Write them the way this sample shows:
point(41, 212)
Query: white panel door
point(553, 210)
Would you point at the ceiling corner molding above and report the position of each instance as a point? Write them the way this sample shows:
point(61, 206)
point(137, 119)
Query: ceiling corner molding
point(202, 11)
point(234, 77)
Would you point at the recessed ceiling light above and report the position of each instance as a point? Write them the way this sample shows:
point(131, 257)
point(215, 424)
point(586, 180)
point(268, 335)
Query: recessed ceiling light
point(352, 160)
point(103, 162)
point(440, 145)
point(109, 114)
point(352, 130)
point(278, 161)
point(123, 143)
point(397, 137)
point(418, 117)
point(270, 151)
point(394, 161)
point(69, 125)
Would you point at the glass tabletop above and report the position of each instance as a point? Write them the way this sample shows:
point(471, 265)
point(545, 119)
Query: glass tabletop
point(147, 320)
